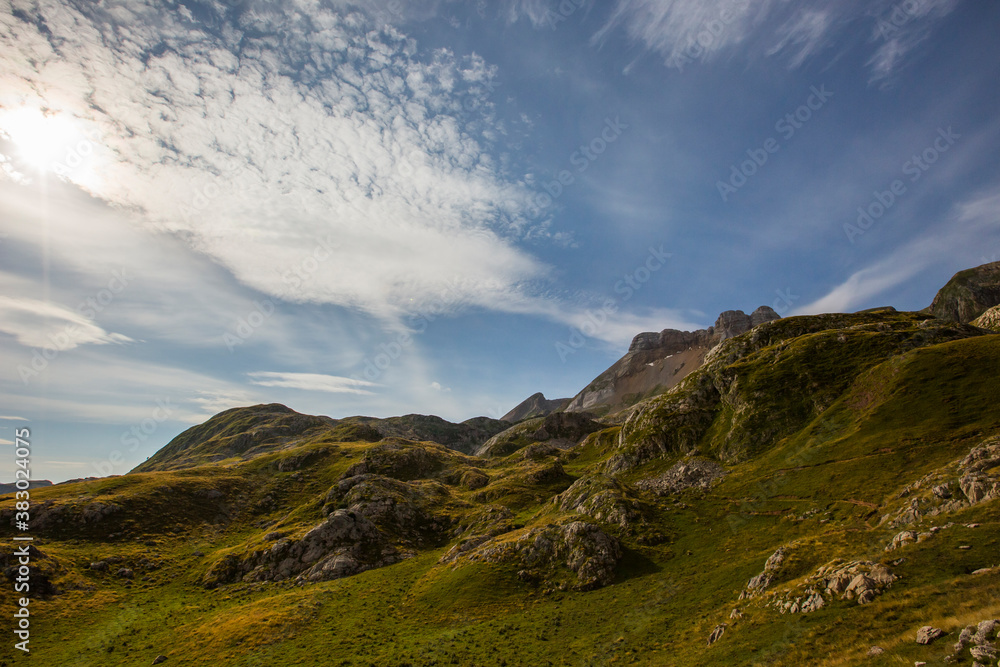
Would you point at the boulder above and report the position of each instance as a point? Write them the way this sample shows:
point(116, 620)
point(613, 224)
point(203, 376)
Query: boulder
point(927, 634)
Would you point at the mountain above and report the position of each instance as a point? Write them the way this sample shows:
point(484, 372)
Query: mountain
point(968, 294)
point(821, 490)
point(656, 362)
point(241, 434)
point(32, 484)
point(535, 405)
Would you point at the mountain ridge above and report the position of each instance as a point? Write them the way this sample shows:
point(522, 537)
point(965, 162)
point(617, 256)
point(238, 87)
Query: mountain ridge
point(819, 487)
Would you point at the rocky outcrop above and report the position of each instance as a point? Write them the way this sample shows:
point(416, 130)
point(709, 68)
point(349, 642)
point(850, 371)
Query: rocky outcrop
point(655, 362)
point(542, 554)
point(759, 583)
point(690, 473)
point(346, 543)
point(860, 581)
point(967, 481)
point(600, 497)
point(489, 522)
point(398, 508)
point(968, 294)
point(535, 405)
point(976, 641)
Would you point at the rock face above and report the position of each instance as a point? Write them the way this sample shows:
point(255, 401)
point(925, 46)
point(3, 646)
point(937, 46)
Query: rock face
point(989, 320)
point(655, 362)
point(535, 405)
point(541, 553)
point(968, 294)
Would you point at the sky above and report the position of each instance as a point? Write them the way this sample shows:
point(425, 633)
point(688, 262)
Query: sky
point(442, 207)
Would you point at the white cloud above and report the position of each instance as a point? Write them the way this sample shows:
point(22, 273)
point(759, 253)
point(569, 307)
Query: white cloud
point(311, 382)
point(970, 222)
point(673, 27)
point(252, 149)
point(4, 441)
point(701, 29)
point(11, 418)
point(900, 29)
point(36, 323)
point(804, 32)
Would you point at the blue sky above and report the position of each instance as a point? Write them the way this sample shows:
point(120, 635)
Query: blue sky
point(442, 207)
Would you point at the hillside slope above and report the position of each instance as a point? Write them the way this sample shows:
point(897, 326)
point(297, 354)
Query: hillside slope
point(820, 486)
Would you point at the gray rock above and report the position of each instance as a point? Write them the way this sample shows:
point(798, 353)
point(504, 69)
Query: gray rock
point(600, 497)
point(942, 491)
point(927, 634)
point(964, 638)
point(717, 633)
point(876, 650)
point(986, 631)
point(902, 539)
point(983, 653)
point(732, 323)
point(689, 473)
point(762, 315)
point(124, 573)
point(158, 659)
point(345, 544)
point(583, 548)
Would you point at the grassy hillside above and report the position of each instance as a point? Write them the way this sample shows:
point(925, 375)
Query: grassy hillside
point(792, 459)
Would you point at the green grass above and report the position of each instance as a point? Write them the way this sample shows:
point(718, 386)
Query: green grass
point(851, 428)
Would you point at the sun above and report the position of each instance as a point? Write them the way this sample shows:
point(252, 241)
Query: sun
point(45, 142)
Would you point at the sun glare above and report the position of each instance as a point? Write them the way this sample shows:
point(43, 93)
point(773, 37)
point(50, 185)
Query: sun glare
point(45, 142)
